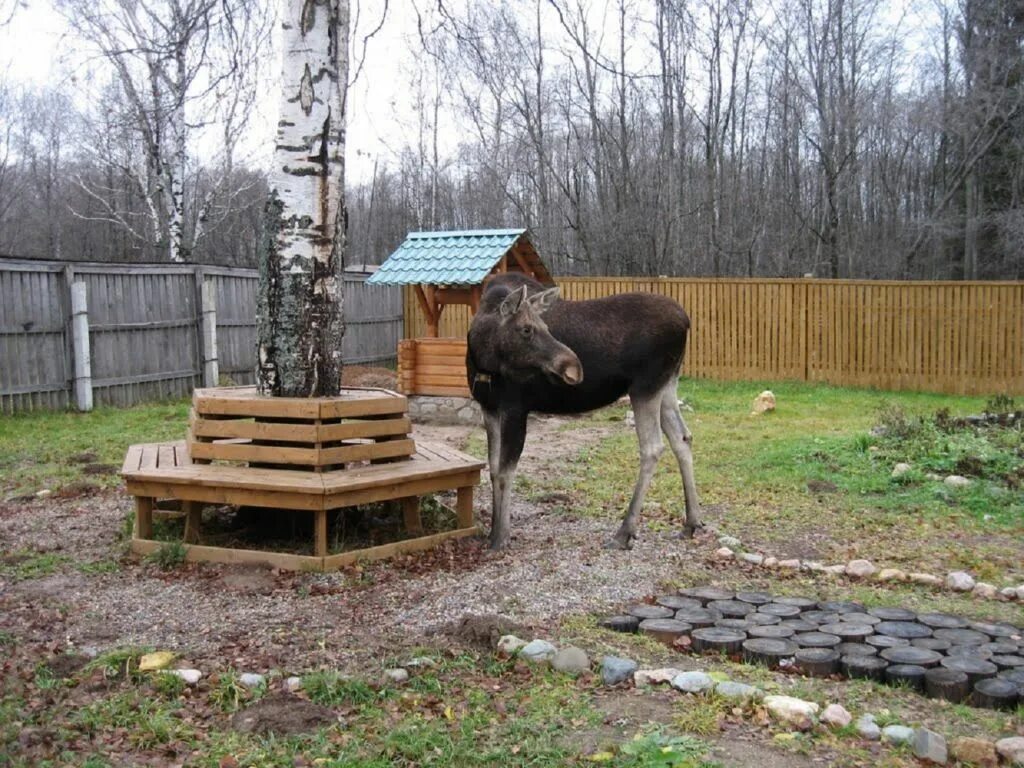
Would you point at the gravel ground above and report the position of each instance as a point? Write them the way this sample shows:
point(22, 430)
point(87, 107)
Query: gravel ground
point(258, 619)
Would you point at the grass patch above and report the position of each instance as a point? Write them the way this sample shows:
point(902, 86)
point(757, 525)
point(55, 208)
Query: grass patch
point(74, 441)
point(26, 564)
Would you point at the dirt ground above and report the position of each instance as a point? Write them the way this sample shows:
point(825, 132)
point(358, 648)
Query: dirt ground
point(260, 619)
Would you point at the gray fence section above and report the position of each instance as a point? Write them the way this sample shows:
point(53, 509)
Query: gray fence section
point(144, 330)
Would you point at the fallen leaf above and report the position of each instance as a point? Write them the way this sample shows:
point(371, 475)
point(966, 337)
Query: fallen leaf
point(157, 660)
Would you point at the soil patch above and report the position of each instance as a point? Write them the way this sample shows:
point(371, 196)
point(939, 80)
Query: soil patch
point(368, 376)
point(282, 714)
point(482, 631)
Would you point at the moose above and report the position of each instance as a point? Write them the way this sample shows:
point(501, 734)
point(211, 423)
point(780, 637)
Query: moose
point(530, 351)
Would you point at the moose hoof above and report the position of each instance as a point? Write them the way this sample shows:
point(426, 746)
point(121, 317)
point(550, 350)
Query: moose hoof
point(620, 542)
point(689, 531)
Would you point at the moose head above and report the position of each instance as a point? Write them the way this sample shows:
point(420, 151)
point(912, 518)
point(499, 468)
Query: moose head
point(523, 343)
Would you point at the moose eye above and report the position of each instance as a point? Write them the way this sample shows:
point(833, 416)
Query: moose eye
point(527, 331)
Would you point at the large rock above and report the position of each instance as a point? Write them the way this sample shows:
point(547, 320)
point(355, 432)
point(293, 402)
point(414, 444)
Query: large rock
point(978, 752)
point(860, 569)
point(655, 676)
point(729, 541)
point(901, 469)
point(868, 729)
point(510, 644)
point(396, 675)
point(926, 579)
point(891, 574)
point(792, 564)
point(251, 679)
point(724, 553)
point(615, 670)
point(836, 715)
point(956, 481)
point(983, 590)
point(190, 676)
point(571, 660)
point(693, 682)
point(734, 691)
point(763, 403)
point(930, 746)
point(897, 734)
point(1011, 750)
point(960, 581)
point(756, 559)
point(795, 712)
point(538, 651)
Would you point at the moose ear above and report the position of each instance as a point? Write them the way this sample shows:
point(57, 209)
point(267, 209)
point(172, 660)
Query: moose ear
point(541, 302)
point(513, 302)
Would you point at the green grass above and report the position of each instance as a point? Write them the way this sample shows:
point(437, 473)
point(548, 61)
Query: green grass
point(809, 480)
point(37, 450)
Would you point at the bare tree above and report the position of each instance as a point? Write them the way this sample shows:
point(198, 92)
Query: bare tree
point(300, 316)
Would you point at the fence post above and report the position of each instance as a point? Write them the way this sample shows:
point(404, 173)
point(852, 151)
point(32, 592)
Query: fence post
point(208, 307)
point(80, 345)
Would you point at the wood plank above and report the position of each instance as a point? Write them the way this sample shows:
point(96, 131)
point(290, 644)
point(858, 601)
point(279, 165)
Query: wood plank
point(253, 430)
point(367, 451)
point(320, 533)
point(388, 491)
point(196, 553)
point(132, 459)
point(263, 454)
point(281, 407)
point(384, 551)
point(212, 494)
point(193, 521)
point(439, 391)
point(464, 506)
point(356, 429)
point(376, 406)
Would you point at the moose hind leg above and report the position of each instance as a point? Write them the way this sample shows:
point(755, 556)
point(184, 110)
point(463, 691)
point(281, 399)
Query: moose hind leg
point(504, 460)
point(680, 440)
point(648, 432)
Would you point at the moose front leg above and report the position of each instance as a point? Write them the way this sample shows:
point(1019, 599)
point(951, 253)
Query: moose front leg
point(510, 430)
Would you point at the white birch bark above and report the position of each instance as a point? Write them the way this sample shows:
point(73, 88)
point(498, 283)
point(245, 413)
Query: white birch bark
point(300, 315)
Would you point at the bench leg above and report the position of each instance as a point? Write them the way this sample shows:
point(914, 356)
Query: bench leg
point(193, 519)
point(464, 506)
point(320, 524)
point(411, 514)
point(144, 517)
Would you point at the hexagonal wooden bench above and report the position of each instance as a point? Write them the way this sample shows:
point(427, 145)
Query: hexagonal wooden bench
point(328, 441)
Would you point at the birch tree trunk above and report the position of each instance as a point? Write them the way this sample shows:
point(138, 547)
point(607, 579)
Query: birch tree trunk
point(300, 319)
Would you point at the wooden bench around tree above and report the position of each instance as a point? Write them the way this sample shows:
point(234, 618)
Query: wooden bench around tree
point(156, 472)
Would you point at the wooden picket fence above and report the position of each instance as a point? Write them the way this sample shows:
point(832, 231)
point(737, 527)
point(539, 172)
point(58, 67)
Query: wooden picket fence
point(951, 337)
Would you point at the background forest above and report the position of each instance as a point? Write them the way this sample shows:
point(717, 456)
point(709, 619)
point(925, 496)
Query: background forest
point(838, 138)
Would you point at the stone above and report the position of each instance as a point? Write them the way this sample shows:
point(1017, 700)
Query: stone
point(792, 564)
point(901, 469)
point(891, 574)
point(795, 712)
point(1011, 750)
point(724, 553)
point(251, 679)
point(868, 729)
point(734, 691)
point(960, 581)
point(897, 734)
point(930, 746)
point(932, 476)
point(615, 670)
point(1020, 592)
point(510, 644)
point(396, 675)
point(978, 752)
point(836, 715)
point(190, 676)
point(655, 676)
point(571, 660)
point(425, 661)
point(756, 559)
point(692, 682)
point(729, 541)
point(927, 579)
point(834, 570)
point(763, 403)
point(859, 569)
point(984, 591)
point(538, 651)
point(770, 562)
point(43, 493)
point(812, 565)
point(293, 684)
point(956, 481)
point(1008, 593)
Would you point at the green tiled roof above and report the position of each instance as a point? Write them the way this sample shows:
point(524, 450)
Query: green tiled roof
point(446, 258)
